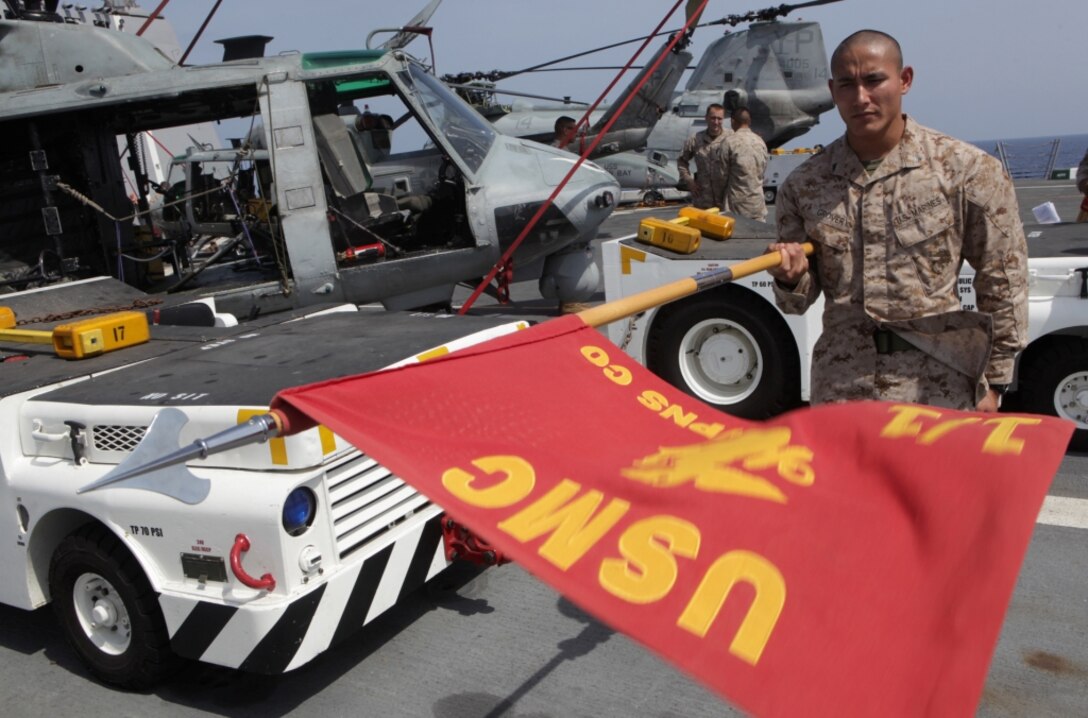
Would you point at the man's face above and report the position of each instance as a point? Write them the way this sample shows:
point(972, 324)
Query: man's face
point(867, 87)
point(714, 122)
point(566, 132)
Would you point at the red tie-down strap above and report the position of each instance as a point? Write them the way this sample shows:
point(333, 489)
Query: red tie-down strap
point(503, 280)
point(463, 545)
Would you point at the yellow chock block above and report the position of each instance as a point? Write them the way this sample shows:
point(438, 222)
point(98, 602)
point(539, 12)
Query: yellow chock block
point(7, 318)
point(709, 222)
point(672, 235)
point(100, 334)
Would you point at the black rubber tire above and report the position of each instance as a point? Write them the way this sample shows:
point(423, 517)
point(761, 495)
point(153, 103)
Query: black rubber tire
point(93, 550)
point(770, 194)
point(1047, 367)
point(652, 197)
point(755, 326)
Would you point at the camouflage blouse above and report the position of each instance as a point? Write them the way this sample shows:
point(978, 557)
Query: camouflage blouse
point(889, 248)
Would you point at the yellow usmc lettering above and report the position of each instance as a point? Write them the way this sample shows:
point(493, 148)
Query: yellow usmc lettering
point(726, 464)
point(646, 570)
point(518, 481)
point(574, 527)
point(763, 613)
point(926, 427)
point(599, 357)
point(658, 402)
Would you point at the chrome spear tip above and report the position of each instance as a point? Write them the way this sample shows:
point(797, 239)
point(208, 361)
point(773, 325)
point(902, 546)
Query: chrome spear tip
point(157, 450)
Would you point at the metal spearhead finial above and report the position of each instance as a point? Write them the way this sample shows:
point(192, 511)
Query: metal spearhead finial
point(157, 464)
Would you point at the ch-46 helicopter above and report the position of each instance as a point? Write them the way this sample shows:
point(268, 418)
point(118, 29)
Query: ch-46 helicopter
point(323, 204)
point(778, 70)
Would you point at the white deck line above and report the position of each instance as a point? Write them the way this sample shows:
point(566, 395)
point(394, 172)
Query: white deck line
point(1064, 511)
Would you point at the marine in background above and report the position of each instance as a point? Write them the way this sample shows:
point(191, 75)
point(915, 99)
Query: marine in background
point(565, 130)
point(894, 210)
point(707, 186)
point(743, 156)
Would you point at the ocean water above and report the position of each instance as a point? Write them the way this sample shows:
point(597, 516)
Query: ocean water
point(1028, 157)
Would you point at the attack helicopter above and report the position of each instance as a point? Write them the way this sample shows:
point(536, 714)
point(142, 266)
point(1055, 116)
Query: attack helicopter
point(320, 203)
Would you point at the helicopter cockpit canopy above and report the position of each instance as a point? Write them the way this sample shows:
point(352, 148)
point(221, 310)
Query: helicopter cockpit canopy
point(469, 134)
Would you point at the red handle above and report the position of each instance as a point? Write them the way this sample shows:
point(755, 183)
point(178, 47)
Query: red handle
point(241, 545)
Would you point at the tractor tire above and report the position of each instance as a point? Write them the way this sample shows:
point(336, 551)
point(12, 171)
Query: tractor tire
point(1053, 379)
point(108, 611)
point(731, 349)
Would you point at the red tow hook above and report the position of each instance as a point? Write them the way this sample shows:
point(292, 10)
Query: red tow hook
point(241, 545)
point(463, 545)
point(503, 280)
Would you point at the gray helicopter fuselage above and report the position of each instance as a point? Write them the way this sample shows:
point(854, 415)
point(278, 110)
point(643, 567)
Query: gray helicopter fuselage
point(442, 215)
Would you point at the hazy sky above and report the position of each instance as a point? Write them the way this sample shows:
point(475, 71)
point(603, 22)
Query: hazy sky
point(984, 69)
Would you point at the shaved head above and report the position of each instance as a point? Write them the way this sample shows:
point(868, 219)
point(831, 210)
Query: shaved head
point(868, 38)
point(741, 117)
point(868, 82)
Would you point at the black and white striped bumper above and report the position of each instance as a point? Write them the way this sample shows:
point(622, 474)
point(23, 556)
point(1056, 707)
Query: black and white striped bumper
point(273, 636)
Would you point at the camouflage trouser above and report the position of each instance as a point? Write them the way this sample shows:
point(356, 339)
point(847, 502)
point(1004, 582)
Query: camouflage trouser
point(702, 200)
point(709, 195)
point(850, 369)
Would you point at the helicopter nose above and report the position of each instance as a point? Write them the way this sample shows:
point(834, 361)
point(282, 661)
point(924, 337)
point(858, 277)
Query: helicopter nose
point(517, 182)
point(605, 199)
point(588, 197)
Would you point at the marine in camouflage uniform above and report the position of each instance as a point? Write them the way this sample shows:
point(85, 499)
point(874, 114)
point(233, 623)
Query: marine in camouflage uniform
point(1082, 185)
point(889, 247)
point(743, 156)
point(702, 147)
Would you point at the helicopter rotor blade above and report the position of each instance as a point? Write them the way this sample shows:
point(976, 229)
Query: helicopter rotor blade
point(401, 39)
point(499, 91)
point(770, 13)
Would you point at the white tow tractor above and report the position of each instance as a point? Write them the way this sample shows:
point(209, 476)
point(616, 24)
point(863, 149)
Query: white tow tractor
point(731, 347)
point(257, 558)
point(260, 557)
point(779, 165)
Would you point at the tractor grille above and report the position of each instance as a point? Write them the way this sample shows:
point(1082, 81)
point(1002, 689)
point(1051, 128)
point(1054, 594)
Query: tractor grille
point(366, 500)
point(117, 438)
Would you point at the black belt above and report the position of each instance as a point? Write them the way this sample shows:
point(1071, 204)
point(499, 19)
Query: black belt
point(888, 342)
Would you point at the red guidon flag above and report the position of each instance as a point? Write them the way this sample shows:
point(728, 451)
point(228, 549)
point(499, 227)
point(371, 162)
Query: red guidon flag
point(852, 559)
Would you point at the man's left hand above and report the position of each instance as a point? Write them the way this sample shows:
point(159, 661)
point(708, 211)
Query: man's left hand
point(990, 403)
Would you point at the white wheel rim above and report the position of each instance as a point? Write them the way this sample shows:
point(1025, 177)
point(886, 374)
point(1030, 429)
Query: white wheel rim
point(102, 614)
point(1071, 398)
point(720, 361)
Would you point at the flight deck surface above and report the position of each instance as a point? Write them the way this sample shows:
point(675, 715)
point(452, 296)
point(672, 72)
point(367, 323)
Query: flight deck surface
point(244, 364)
point(750, 239)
